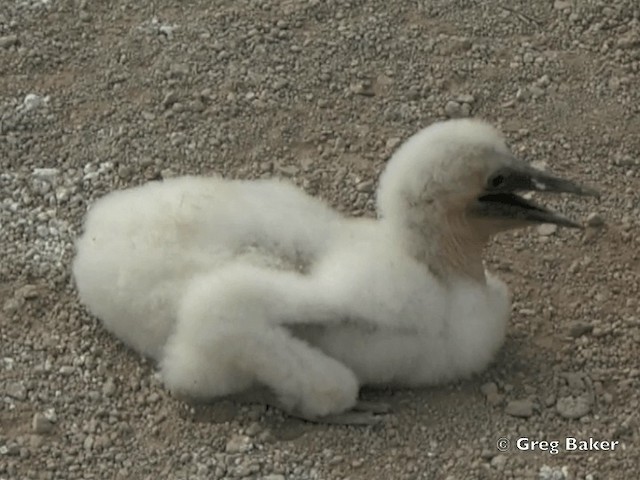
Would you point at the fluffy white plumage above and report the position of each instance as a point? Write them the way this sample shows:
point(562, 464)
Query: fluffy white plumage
point(232, 284)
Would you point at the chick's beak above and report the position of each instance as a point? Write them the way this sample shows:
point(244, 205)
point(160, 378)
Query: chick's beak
point(500, 201)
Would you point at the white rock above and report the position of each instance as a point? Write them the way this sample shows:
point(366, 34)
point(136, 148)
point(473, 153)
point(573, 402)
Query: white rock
point(238, 444)
point(32, 101)
point(553, 473)
point(393, 142)
point(62, 194)
point(167, 30)
point(466, 98)
point(51, 415)
point(540, 164)
point(46, 174)
point(547, 229)
point(573, 407)
point(561, 5)
point(109, 388)
point(8, 363)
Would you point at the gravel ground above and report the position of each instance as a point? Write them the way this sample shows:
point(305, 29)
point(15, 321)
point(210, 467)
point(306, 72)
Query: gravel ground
point(96, 96)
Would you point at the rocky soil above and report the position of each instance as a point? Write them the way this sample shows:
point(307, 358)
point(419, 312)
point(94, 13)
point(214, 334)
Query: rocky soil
point(96, 96)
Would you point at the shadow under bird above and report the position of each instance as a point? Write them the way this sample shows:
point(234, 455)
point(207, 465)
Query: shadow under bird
point(236, 287)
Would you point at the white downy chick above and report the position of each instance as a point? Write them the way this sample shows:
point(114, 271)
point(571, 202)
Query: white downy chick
point(237, 284)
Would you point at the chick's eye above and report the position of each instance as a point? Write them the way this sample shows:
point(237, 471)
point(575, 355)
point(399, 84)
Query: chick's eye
point(496, 181)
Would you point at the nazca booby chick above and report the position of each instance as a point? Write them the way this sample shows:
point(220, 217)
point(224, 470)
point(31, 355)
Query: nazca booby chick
point(233, 284)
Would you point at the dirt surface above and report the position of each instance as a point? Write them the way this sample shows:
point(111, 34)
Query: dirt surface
point(96, 96)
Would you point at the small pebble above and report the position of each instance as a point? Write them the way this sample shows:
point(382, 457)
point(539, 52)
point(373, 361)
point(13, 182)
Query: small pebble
point(287, 170)
point(573, 407)
point(553, 473)
point(109, 387)
point(16, 390)
point(238, 444)
point(498, 462)
point(561, 4)
point(41, 424)
point(453, 109)
point(393, 142)
point(66, 370)
point(169, 100)
point(519, 408)
point(32, 101)
point(8, 41)
point(489, 388)
point(547, 229)
point(366, 186)
point(491, 393)
point(125, 172)
point(579, 328)
point(46, 174)
point(466, 98)
point(254, 429)
point(595, 220)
